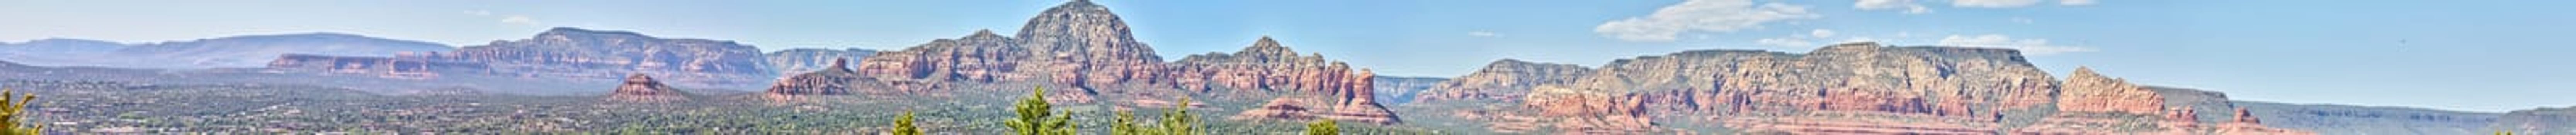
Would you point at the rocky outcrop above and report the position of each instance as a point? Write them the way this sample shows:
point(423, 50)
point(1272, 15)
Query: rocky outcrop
point(834, 79)
point(1505, 80)
point(1943, 85)
point(1268, 68)
point(643, 89)
point(2088, 92)
point(1083, 45)
point(580, 53)
point(801, 60)
point(1400, 90)
point(2348, 119)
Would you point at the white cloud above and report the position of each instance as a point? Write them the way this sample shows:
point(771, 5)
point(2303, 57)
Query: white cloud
point(1909, 6)
point(1993, 3)
point(1700, 16)
point(2028, 46)
point(2021, 20)
point(1484, 34)
point(2075, 2)
point(478, 12)
point(1821, 33)
point(519, 19)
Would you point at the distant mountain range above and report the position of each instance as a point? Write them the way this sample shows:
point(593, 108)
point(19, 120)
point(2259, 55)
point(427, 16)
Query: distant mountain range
point(225, 52)
point(1089, 56)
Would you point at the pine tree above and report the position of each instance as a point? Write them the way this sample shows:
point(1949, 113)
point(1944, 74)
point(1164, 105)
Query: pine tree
point(903, 125)
point(15, 111)
point(1179, 121)
point(1126, 125)
point(1323, 127)
point(1037, 118)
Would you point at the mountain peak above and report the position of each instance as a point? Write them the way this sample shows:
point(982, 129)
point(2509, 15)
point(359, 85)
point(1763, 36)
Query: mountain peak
point(1267, 47)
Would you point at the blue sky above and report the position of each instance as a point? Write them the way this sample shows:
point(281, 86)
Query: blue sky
point(2476, 55)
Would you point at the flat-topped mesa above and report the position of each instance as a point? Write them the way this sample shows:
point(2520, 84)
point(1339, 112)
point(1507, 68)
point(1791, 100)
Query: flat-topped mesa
point(2089, 92)
point(580, 53)
point(1506, 79)
point(1949, 86)
point(643, 89)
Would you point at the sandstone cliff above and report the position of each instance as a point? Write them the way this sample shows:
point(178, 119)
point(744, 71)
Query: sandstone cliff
point(1082, 45)
point(1505, 79)
point(1268, 68)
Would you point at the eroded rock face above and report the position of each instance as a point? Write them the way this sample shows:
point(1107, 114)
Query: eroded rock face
point(1859, 88)
point(580, 53)
point(834, 79)
point(643, 89)
point(2092, 93)
point(1083, 45)
point(1506, 79)
point(1267, 68)
point(801, 60)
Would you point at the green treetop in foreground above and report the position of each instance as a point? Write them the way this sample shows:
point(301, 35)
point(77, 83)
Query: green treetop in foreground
point(1323, 127)
point(15, 111)
point(903, 125)
point(1037, 118)
point(1178, 121)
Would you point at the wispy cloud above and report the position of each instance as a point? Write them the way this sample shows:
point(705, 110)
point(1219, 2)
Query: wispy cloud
point(519, 19)
point(506, 19)
point(1700, 16)
point(1484, 34)
point(1909, 6)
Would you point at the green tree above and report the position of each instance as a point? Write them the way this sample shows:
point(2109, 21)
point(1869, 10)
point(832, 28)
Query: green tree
point(16, 111)
point(1126, 125)
point(1323, 127)
point(1037, 118)
point(1179, 121)
point(903, 125)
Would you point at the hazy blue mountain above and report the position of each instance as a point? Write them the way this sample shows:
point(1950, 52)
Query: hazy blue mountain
point(2335, 119)
point(1400, 90)
point(238, 51)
